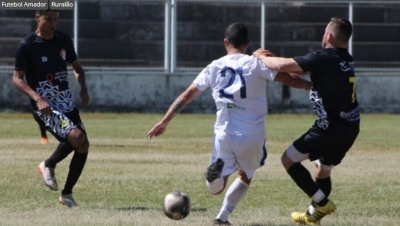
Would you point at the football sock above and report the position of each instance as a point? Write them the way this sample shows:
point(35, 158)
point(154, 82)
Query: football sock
point(216, 186)
point(319, 198)
point(234, 194)
point(42, 131)
point(62, 151)
point(75, 169)
point(325, 185)
point(310, 210)
point(303, 179)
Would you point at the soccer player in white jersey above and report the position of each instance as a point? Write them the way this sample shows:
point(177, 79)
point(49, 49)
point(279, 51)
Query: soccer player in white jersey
point(238, 83)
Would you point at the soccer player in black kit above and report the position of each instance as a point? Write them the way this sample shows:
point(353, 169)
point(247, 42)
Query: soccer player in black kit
point(335, 103)
point(41, 59)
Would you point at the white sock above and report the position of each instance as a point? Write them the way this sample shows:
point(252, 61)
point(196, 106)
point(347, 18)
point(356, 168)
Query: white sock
point(311, 209)
point(234, 194)
point(318, 196)
point(215, 186)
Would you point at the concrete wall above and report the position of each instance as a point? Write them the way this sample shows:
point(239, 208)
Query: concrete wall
point(154, 93)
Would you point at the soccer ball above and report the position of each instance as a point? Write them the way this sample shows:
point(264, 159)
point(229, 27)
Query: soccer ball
point(176, 205)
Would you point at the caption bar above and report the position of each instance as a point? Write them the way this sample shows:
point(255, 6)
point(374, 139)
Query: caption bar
point(37, 4)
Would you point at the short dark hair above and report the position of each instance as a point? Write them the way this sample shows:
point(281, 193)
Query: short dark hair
point(237, 35)
point(44, 12)
point(342, 29)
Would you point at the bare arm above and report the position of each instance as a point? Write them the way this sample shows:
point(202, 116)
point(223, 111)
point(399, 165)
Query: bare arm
point(180, 102)
point(81, 77)
point(293, 81)
point(277, 63)
point(19, 83)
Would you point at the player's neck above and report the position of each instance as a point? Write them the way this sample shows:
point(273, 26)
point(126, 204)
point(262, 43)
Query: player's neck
point(234, 51)
point(45, 35)
point(336, 45)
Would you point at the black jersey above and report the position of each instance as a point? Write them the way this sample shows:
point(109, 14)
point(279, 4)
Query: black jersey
point(44, 63)
point(333, 94)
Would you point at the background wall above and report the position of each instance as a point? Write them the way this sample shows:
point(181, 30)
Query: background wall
point(122, 45)
point(154, 93)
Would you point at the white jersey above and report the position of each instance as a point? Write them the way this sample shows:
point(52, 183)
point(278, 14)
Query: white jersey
point(238, 83)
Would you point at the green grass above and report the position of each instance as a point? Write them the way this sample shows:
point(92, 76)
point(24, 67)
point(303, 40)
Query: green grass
point(127, 176)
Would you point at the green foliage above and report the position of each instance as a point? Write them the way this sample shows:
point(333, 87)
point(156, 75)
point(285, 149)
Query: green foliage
point(127, 176)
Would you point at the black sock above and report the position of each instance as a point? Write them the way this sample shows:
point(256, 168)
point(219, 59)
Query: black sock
point(61, 152)
point(42, 130)
point(323, 202)
point(325, 185)
point(75, 169)
point(303, 179)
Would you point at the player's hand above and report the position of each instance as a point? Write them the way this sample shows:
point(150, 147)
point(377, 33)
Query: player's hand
point(262, 52)
point(84, 97)
point(43, 106)
point(157, 130)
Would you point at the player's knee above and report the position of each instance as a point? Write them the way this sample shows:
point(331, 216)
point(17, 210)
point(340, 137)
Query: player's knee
point(78, 140)
point(243, 177)
point(322, 170)
point(285, 160)
point(292, 156)
point(85, 146)
point(78, 136)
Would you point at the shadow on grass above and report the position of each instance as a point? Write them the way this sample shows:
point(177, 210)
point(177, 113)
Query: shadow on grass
point(141, 208)
point(118, 145)
point(266, 224)
point(199, 210)
point(136, 208)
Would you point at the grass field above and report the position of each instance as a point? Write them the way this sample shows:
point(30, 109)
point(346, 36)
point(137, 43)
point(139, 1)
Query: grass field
point(127, 176)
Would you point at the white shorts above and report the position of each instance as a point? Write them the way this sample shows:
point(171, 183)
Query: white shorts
point(240, 152)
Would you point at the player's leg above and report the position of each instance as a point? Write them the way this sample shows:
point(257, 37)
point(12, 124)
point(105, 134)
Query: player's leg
point(47, 167)
point(222, 164)
point(291, 160)
point(214, 181)
point(301, 176)
point(251, 154)
point(313, 145)
point(323, 180)
point(43, 139)
point(343, 138)
point(42, 128)
point(323, 177)
point(69, 130)
point(235, 193)
point(78, 139)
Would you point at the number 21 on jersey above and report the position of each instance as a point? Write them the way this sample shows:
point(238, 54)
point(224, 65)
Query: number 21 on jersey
point(234, 84)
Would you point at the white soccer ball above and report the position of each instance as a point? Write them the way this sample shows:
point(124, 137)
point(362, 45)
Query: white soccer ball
point(176, 205)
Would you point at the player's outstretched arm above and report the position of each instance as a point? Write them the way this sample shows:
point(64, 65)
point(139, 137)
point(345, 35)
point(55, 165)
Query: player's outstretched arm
point(293, 81)
point(81, 77)
point(277, 63)
point(180, 102)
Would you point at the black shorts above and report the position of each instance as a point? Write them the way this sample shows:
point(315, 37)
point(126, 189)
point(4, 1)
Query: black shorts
point(329, 146)
point(60, 124)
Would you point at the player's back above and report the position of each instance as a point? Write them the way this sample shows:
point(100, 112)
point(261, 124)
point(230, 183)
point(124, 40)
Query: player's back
point(238, 84)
